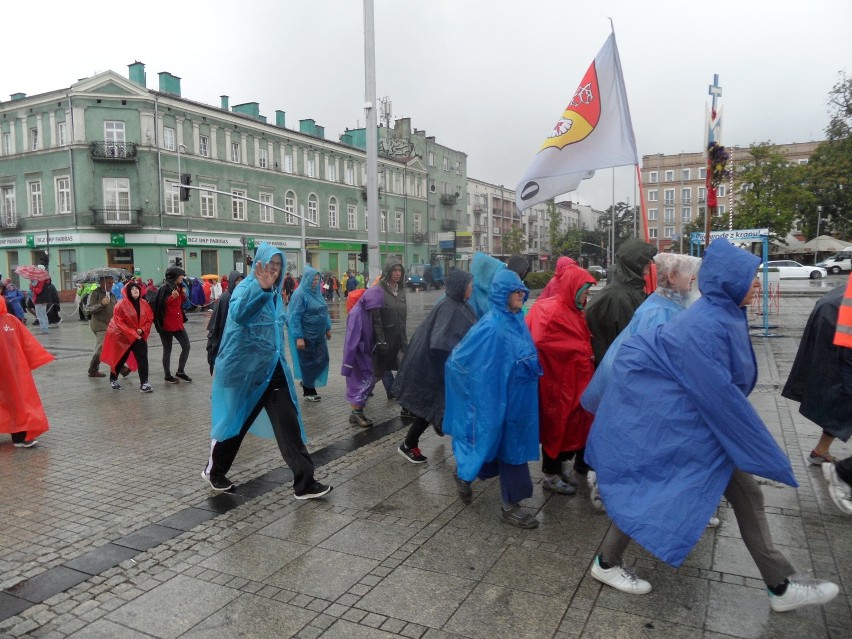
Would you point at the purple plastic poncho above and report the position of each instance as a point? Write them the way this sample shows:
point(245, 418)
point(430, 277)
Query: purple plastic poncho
point(358, 347)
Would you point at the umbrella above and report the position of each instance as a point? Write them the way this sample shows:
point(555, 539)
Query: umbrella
point(95, 274)
point(33, 273)
point(210, 276)
point(824, 244)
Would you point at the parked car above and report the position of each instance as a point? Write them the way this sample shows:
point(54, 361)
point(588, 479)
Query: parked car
point(790, 270)
point(423, 277)
point(598, 271)
point(839, 262)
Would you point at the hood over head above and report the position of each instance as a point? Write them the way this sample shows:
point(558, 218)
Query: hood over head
point(562, 263)
point(572, 284)
point(233, 279)
point(505, 283)
point(173, 272)
point(129, 285)
point(727, 272)
point(675, 266)
point(630, 261)
point(519, 264)
point(389, 266)
point(308, 276)
point(264, 253)
point(456, 283)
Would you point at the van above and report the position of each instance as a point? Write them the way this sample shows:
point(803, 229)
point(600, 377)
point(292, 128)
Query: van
point(839, 262)
point(423, 277)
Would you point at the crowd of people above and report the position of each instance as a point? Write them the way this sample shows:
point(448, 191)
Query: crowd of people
point(644, 397)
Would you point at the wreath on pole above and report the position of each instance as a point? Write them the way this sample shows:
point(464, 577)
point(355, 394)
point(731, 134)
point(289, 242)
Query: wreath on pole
point(717, 159)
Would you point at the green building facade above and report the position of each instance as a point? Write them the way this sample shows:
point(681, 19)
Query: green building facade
point(90, 176)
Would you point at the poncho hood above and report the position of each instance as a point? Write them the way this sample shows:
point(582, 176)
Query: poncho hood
point(504, 284)
point(572, 284)
point(390, 264)
point(311, 288)
point(727, 273)
point(630, 261)
point(483, 268)
point(233, 279)
point(457, 283)
point(264, 253)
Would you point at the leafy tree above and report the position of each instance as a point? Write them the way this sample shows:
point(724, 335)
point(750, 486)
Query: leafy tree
point(514, 241)
point(624, 221)
point(554, 215)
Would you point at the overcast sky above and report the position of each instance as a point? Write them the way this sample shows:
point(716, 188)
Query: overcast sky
point(487, 77)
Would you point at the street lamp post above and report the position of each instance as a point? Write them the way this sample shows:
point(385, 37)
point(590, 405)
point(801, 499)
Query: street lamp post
point(816, 239)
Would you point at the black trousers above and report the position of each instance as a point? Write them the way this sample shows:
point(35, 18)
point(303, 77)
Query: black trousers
point(20, 437)
point(550, 466)
point(844, 470)
point(285, 424)
point(417, 428)
point(139, 348)
point(183, 339)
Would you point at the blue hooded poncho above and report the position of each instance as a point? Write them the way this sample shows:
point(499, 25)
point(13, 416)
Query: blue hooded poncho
point(675, 421)
point(483, 268)
point(252, 346)
point(308, 319)
point(492, 387)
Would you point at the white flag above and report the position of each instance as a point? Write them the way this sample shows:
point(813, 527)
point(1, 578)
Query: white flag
point(594, 132)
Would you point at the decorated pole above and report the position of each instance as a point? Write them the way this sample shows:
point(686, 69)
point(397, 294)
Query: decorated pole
point(717, 157)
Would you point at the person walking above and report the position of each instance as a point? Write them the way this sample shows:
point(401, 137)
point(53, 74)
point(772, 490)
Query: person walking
point(169, 320)
point(289, 286)
point(358, 346)
point(419, 386)
point(309, 329)
point(127, 334)
point(253, 388)
point(558, 328)
point(216, 325)
point(100, 307)
point(40, 295)
point(14, 299)
point(675, 431)
point(493, 375)
point(351, 283)
point(21, 411)
point(389, 325)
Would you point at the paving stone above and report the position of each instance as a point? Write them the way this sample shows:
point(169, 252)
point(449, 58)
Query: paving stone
point(251, 616)
point(47, 584)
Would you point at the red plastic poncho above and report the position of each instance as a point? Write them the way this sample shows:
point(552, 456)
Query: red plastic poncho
point(20, 353)
point(559, 331)
point(121, 332)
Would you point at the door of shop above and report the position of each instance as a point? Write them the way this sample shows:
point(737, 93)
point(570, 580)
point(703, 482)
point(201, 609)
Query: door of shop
point(209, 262)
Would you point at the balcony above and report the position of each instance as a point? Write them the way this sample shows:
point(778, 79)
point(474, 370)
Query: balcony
point(10, 222)
point(449, 225)
point(479, 209)
point(479, 228)
point(108, 218)
point(449, 199)
point(532, 218)
point(418, 238)
point(107, 151)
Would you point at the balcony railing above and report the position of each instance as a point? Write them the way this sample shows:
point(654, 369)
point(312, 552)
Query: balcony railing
point(107, 151)
point(10, 222)
point(479, 228)
point(449, 225)
point(418, 238)
point(532, 217)
point(449, 199)
point(480, 208)
point(116, 217)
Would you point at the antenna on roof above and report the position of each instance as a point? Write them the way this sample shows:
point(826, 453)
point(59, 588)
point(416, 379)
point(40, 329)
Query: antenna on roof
point(385, 111)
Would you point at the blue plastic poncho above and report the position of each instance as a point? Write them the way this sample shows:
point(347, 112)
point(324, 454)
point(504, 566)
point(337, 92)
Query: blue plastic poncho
point(483, 268)
point(492, 387)
point(308, 319)
point(252, 346)
point(675, 419)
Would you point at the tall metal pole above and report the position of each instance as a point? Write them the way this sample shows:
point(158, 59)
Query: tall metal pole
point(304, 247)
point(373, 252)
point(613, 214)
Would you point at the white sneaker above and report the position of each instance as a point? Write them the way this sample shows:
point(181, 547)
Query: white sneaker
point(714, 522)
point(839, 491)
point(622, 578)
point(28, 444)
point(594, 491)
point(800, 593)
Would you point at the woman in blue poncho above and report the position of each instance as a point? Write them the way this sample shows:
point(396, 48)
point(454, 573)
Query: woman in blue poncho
point(492, 400)
point(309, 329)
point(675, 431)
point(252, 386)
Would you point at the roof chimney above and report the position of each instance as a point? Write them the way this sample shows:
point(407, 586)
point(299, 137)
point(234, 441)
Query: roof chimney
point(18, 96)
point(280, 119)
point(224, 99)
point(169, 83)
point(137, 73)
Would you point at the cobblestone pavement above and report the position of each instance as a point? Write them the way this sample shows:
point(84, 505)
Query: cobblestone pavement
point(108, 531)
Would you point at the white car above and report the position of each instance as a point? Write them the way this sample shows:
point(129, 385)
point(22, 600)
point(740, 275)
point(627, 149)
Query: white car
point(790, 270)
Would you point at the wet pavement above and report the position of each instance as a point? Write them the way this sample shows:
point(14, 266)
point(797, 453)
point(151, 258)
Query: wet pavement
point(108, 531)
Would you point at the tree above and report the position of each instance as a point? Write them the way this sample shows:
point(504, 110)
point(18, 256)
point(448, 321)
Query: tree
point(624, 221)
point(514, 241)
point(554, 215)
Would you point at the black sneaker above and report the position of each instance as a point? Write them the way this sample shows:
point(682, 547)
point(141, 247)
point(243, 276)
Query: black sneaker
point(115, 385)
point(317, 490)
point(183, 376)
point(465, 491)
point(171, 380)
point(412, 454)
point(219, 484)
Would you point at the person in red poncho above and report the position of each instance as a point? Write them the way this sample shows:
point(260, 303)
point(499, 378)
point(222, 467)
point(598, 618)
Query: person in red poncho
point(563, 341)
point(127, 335)
point(21, 412)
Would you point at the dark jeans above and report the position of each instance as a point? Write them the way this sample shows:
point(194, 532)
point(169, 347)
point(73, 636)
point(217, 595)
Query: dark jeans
point(417, 428)
point(844, 470)
point(515, 480)
point(183, 339)
point(139, 348)
point(285, 424)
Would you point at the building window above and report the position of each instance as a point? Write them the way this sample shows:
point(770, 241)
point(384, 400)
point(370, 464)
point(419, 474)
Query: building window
point(652, 233)
point(702, 194)
point(313, 209)
point(63, 195)
point(669, 176)
point(290, 207)
point(446, 164)
point(352, 217)
point(204, 146)
point(312, 166)
point(384, 226)
point(702, 173)
point(417, 223)
point(669, 196)
point(238, 205)
point(350, 175)
point(721, 210)
point(702, 211)
point(652, 215)
point(721, 191)
point(653, 196)
point(687, 173)
point(433, 237)
point(60, 134)
point(33, 139)
point(235, 152)
point(208, 201)
point(668, 232)
point(10, 212)
point(653, 177)
point(172, 197)
point(168, 138)
point(431, 158)
point(36, 203)
point(263, 158)
point(686, 214)
point(433, 212)
point(366, 221)
point(331, 170)
point(266, 210)
point(686, 195)
point(397, 222)
point(418, 187)
point(7, 144)
point(288, 162)
point(117, 199)
point(114, 138)
point(333, 222)
point(668, 216)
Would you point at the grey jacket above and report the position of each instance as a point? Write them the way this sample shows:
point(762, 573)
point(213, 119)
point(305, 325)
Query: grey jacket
point(101, 311)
